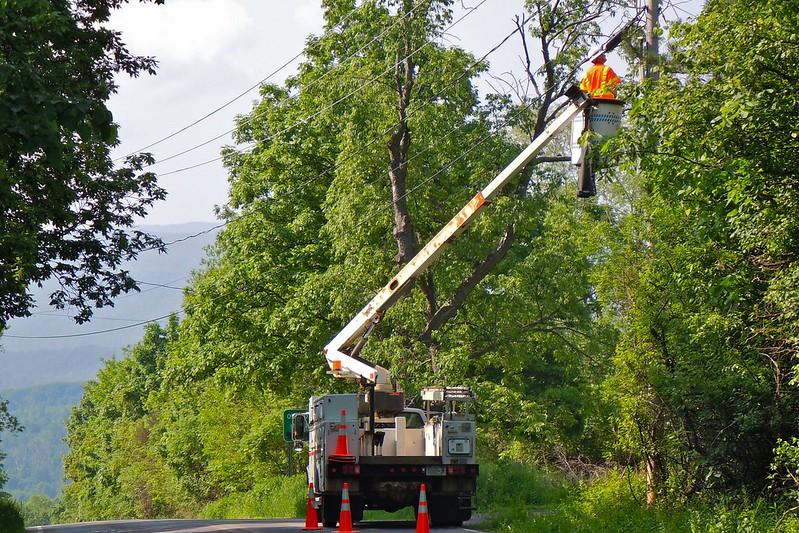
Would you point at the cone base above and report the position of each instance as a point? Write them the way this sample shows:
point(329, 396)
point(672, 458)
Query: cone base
point(342, 458)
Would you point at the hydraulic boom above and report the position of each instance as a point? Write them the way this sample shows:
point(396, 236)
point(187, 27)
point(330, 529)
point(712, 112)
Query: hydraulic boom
point(342, 352)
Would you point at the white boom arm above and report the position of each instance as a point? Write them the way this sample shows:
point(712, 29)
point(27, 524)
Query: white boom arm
point(341, 352)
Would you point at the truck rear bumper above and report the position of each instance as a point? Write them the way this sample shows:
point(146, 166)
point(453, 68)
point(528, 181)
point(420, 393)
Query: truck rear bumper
point(392, 486)
point(409, 472)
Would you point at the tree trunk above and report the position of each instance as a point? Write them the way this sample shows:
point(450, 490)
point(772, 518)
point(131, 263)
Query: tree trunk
point(652, 478)
point(398, 149)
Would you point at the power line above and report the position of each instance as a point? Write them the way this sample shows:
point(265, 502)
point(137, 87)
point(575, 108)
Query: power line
point(88, 333)
point(447, 166)
point(160, 285)
point(304, 184)
point(311, 84)
point(232, 100)
point(318, 112)
point(354, 153)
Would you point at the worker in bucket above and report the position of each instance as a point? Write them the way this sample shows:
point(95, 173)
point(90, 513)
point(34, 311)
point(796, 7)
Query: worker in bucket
point(599, 82)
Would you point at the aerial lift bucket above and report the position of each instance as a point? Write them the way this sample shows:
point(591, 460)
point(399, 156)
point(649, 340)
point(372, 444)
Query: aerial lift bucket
point(605, 122)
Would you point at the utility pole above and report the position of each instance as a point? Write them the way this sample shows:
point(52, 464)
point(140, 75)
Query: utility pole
point(651, 48)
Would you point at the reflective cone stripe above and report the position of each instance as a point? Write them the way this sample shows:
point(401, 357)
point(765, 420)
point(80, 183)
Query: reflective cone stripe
point(345, 518)
point(422, 522)
point(311, 518)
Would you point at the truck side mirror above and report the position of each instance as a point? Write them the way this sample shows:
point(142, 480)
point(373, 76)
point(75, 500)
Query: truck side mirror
point(299, 427)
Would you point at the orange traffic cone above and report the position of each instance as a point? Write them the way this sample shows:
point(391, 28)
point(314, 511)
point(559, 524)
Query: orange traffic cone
point(422, 523)
point(345, 518)
point(342, 454)
point(311, 519)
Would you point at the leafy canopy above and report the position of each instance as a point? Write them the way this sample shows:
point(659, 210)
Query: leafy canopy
point(64, 205)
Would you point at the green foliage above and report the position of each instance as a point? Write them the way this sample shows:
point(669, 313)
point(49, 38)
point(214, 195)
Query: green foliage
point(273, 497)
point(656, 332)
point(309, 239)
point(615, 502)
point(8, 423)
point(509, 484)
point(10, 516)
point(114, 470)
point(140, 449)
point(785, 470)
point(701, 274)
point(65, 207)
point(39, 510)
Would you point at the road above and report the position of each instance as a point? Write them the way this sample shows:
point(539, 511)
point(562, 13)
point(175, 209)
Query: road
point(238, 526)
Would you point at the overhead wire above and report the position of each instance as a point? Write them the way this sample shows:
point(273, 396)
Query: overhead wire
point(326, 108)
point(444, 168)
point(359, 151)
point(312, 83)
point(234, 99)
point(89, 333)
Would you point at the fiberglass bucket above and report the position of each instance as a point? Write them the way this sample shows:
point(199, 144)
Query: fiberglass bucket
point(605, 122)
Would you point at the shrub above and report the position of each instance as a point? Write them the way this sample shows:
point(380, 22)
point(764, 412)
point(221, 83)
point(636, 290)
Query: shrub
point(512, 484)
point(10, 517)
point(276, 497)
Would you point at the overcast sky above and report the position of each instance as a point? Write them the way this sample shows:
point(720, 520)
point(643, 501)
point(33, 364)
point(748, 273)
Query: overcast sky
point(210, 51)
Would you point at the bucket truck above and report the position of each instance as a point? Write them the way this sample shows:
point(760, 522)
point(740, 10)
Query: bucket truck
point(390, 449)
point(371, 440)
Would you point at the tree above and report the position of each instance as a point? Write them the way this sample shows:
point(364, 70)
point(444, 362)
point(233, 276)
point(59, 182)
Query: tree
point(10, 424)
point(703, 279)
point(65, 205)
point(115, 468)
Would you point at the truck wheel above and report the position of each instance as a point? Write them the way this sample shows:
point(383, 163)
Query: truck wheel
point(357, 512)
point(444, 511)
point(331, 508)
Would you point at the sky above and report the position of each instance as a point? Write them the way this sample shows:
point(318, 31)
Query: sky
point(210, 51)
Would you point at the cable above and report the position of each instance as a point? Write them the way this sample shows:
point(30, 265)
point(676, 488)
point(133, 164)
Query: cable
point(226, 104)
point(88, 333)
point(311, 84)
point(327, 107)
point(63, 315)
point(447, 166)
point(160, 285)
point(352, 154)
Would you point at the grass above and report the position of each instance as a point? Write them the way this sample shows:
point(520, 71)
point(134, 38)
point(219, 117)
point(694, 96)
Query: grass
point(515, 498)
point(612, 503)
point(403, 514)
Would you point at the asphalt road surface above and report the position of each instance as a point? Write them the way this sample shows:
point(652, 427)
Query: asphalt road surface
point(238, 526)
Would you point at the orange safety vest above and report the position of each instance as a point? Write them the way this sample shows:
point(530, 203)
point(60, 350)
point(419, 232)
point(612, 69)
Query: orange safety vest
point(599, 82)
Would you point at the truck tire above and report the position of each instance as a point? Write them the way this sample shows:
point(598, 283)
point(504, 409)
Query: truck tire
point(356, 508)
point(357, 511)
point(331, 509)
point(445, 511)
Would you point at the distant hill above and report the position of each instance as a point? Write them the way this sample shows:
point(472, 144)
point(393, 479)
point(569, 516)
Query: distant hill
point(27, 362)
point(34, 456)
point(43, 378)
